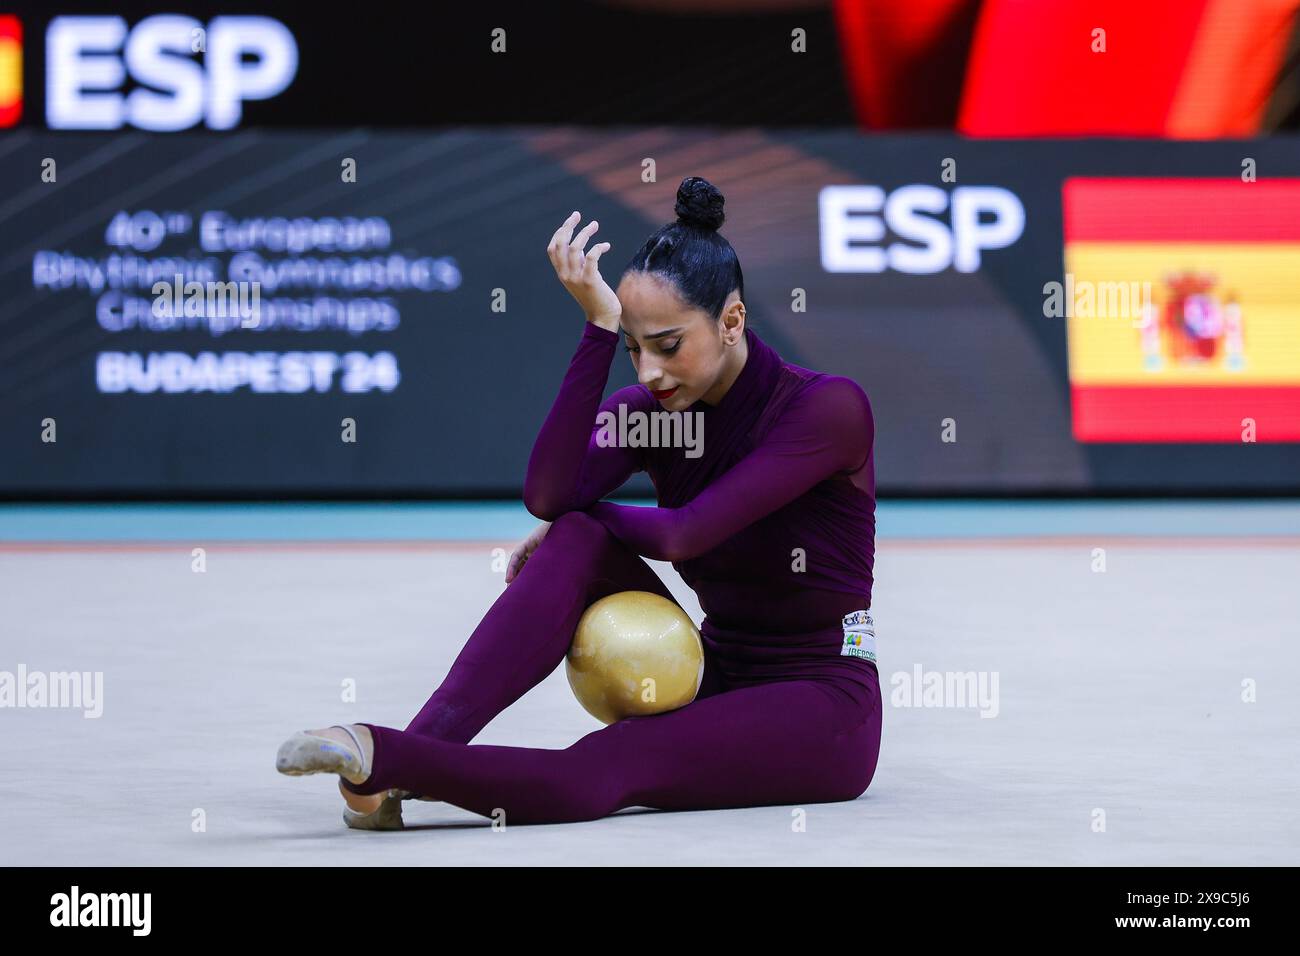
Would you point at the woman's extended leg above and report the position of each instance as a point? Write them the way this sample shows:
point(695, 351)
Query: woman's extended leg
point(528, 629)
point(785, 742)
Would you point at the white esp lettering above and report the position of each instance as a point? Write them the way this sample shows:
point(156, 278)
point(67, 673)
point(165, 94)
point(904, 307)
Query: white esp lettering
point(856, 221)
point(89, 58)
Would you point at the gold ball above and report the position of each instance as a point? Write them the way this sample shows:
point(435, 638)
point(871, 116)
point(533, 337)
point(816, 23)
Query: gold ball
point(634, 653)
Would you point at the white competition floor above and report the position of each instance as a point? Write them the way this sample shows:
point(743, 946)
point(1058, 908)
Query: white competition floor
point(1144, 714)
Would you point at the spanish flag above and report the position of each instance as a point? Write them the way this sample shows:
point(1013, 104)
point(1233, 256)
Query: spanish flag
point(11, 70)
point(1182, 303)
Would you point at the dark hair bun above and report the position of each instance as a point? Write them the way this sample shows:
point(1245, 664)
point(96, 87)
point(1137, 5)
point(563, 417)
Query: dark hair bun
point(699, 204)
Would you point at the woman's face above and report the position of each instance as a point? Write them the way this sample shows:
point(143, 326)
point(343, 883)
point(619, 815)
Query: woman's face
point(679, 352)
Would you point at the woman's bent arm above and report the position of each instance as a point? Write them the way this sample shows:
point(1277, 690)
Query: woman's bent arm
point(569, 469)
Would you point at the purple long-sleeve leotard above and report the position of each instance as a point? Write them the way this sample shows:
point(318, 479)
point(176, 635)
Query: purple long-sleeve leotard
point(772, 526)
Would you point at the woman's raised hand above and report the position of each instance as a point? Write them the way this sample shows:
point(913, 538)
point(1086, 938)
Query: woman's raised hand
point(579, 272)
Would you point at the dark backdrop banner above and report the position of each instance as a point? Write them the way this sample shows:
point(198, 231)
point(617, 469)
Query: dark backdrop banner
point(405, 302)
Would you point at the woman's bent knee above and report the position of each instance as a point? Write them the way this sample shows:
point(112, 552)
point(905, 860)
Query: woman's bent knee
point(577, 525)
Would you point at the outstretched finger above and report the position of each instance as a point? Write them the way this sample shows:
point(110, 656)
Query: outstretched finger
point(593, 257)
point(575, 249)
point(561, 237)
point(580, 240)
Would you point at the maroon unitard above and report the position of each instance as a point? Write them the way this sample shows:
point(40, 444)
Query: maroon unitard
point(773, 527)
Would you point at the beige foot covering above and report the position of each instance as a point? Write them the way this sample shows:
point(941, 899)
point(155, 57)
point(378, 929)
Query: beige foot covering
point(305, 753)
point(387, 817)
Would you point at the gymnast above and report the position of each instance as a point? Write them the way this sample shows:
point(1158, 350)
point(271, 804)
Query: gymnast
point(773, 528)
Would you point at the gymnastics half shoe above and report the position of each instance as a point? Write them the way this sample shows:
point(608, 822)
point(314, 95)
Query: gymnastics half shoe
point(305, 753)
point(387, 817)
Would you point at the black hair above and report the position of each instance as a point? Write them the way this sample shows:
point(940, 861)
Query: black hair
point(690, 253)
